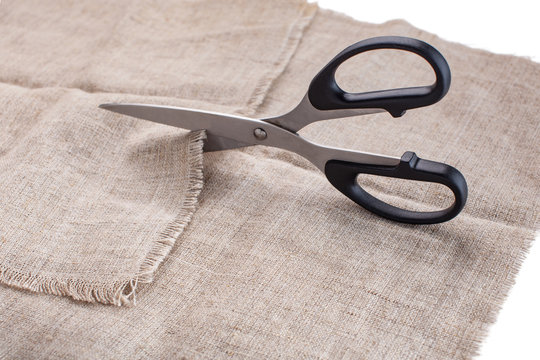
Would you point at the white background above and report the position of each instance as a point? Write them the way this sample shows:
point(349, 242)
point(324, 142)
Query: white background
point(505, 27)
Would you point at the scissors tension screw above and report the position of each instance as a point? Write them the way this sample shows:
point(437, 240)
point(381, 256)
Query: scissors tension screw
point(259, 133)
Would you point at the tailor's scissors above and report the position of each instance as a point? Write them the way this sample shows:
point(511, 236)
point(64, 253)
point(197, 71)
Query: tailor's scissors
point(326, 100)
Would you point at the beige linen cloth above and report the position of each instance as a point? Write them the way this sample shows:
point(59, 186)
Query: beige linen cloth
point(93, 203)
point(275, 262)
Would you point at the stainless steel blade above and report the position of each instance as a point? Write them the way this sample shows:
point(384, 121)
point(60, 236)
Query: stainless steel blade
point(190, 119)
point(222, 129)
point(166, 114)
point(218, 143)
point(245, 131)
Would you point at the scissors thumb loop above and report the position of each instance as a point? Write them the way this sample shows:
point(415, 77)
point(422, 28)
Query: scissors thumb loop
point(343, 174)
point(325, 94)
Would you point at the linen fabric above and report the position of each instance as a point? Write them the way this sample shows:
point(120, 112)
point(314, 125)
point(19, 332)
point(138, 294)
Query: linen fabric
point(93, 202)
point(275, 262)
point(90, 205)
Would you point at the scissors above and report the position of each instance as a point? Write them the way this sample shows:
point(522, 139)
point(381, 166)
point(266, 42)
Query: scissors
point(326, 100)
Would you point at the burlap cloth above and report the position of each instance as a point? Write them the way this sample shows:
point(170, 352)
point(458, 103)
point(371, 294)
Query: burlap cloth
point(275, 262)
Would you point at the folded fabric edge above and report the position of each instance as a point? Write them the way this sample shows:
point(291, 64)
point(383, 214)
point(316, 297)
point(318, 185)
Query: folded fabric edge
point(123, 293)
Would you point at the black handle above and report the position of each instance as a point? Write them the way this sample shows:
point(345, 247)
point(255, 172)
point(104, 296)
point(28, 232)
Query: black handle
point(343, 175)
point(325, 94)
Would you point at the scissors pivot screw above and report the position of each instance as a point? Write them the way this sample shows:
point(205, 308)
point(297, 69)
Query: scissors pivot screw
point(259, 133)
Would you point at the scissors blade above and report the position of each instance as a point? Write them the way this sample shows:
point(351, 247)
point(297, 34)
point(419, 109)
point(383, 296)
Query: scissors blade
point(244, 132)
point(223, 131)
point(218, 143)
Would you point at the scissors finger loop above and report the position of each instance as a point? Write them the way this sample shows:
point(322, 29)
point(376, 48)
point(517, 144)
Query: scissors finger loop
point(343, 175)
point(325, 94)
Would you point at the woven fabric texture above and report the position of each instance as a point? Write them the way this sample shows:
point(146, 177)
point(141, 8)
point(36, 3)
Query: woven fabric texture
point(275, 262)
point(93, 202)
point(90, 205)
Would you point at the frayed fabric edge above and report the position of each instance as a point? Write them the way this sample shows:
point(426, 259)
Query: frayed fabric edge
point(163, 245)
point(294, 36)
point(77, 289)
point(124, 293)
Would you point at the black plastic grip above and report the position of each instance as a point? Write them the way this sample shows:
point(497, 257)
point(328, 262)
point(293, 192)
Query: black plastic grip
point(325, 94)
point(343, 176)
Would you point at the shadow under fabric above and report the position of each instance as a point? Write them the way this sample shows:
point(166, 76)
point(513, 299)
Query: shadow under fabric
point(275, 262)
